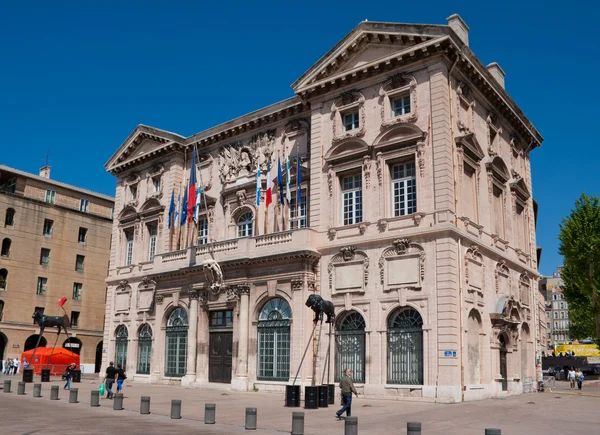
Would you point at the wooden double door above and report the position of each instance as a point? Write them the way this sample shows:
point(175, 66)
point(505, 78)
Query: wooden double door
point(220, 357)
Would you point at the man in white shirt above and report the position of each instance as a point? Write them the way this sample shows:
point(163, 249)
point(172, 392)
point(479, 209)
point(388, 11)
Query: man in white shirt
point(16, 366)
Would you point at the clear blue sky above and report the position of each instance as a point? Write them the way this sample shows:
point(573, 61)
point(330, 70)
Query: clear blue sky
point(77, 77)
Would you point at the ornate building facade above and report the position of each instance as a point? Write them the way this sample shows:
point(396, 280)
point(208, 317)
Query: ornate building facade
point(415, 219)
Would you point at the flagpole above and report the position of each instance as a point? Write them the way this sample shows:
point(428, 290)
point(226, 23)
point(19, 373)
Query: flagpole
point(298, 187)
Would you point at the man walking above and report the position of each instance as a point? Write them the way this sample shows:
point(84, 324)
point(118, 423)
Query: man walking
point(347, 387)
point(109, 379)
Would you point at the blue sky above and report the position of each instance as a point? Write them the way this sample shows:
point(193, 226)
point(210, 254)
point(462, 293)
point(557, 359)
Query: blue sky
point(77, 77)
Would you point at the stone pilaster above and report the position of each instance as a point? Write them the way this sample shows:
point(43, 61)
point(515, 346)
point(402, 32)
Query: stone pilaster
point(241, 373)
point(158, 343)
point(192, 344)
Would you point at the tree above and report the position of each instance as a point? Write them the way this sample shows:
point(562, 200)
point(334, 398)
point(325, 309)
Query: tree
point(580, 246)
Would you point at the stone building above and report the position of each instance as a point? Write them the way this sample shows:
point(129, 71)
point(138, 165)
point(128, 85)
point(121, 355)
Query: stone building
point(55, 242)
point(557, 311)
point(416, 219)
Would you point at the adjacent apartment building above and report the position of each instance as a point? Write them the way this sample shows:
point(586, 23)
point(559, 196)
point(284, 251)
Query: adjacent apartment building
point(557, 311)
point(409, 207)
point(55, 242)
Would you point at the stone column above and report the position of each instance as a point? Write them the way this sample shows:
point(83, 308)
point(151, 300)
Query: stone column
point(158, 341)
point(192, 350)
point(241, 372)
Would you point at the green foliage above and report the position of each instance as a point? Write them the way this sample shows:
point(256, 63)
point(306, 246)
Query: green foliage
point(580, 246)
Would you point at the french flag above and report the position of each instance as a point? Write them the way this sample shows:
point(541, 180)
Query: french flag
point(191, 206)
point(269, 197)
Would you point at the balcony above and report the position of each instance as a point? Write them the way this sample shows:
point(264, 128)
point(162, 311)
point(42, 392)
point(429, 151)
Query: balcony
point(229, 251)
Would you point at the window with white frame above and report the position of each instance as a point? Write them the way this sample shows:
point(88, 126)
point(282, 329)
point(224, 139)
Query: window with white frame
point(351, 199)
point(404, 188)
point(351, 120)
point(51, 196)
point(128, 246)
point(84, 205)
point(41, 286)
point(401, 104)
point(77, 286)
point(202, 230)
point(297, 215)
point(152, 232)
point(244, 225)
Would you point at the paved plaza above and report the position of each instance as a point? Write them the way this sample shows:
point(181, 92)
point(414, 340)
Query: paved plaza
point(557, 412)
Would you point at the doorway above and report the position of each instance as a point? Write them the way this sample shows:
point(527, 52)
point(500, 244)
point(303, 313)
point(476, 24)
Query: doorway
point(220, 353)
point(3, 343)
point(98, 357)
point(32, 341)
point(503, 368)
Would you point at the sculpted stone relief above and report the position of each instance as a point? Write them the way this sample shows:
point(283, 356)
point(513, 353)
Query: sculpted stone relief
point(241, 159)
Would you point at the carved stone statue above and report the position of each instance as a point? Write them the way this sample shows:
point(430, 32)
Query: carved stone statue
point(245, 161)
point(320, 307)
point(213, 273)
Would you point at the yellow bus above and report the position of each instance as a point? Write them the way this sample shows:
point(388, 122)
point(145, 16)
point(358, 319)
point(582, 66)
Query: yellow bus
point(577, 350)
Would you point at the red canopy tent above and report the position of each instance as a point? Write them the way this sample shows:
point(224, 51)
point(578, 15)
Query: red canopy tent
point(55, 359)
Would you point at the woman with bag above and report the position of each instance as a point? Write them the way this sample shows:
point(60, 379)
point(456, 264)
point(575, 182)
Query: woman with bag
point(121, 376)
point(68, 374)
point(571, 377)
point(579, 377)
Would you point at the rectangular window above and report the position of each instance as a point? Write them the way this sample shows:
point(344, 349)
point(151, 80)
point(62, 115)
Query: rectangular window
point(498, 217)
point(404, 189)
point(77, 291)
point(48, 227)
point(352, 199)
point(156, 184)
point(152, 231)
point(45, 257)
point(221, 318)
point(132, 192)
point(202, 230)
point(79, 263)
point(469, 192)
point(11, 186)
point(41, 286)
point(51, 196)
point(81, 238)
point(351, 121)
point(39, 310)
point(401, 105)
point(128, 246)
point(84, 205)
point(299, 222)
point(74, 319)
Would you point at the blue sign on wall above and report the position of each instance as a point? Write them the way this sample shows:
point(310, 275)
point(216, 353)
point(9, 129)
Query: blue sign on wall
point(450, 353)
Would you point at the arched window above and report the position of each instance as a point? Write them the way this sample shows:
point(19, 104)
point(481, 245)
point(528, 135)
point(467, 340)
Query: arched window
point(405, 347)
point(274, 341)
point(350, 346)
point(177, 330)
point(3, 278)
point(122, 339)
point(144, 349)
point(6, 247)
point(244, 224)
point(73, 344)
point(9, 219)
point(474, 348)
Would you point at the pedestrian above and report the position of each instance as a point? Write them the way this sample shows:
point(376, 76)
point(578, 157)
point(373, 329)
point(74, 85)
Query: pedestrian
point(571, 377)
point(579, 377)
point(11, 371)
point(16, 369)
point(347, 387)
point(109, 379)
point(68, 375)
point(121, 376)
point(6, 366)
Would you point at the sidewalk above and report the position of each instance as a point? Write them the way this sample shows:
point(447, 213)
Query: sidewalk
point(523, 415)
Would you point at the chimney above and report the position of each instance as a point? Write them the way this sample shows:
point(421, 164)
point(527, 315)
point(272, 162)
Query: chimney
point(45, 171)
point(456, 23)
point(497, 72)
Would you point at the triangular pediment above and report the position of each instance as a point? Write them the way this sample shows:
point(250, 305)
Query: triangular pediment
point(143, 142)
point(369, 43)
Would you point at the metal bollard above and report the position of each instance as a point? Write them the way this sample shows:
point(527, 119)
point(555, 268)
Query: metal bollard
point(145, 405)
point(54, 392)
point(209, 413)
point(175, 409)
point(73, 395)
point(351, 426)
point(95, 398)
point(413, 428)
point(7, 386)
point(21, 389)
point(297, 423)
point(493, 432)
point(250, 418)
point(37, 390)
point(118, 402)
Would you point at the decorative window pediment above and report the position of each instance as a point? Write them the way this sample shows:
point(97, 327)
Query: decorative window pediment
point(128, 214)
point(470, 147)
point(398, 100)
point(502, 277)
point(348, 271)
point(351, 102)
point(498, 171)
point(402, 266)
point(151, 207)
point(520, 189)
point(349, 149)
point(123, 297)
